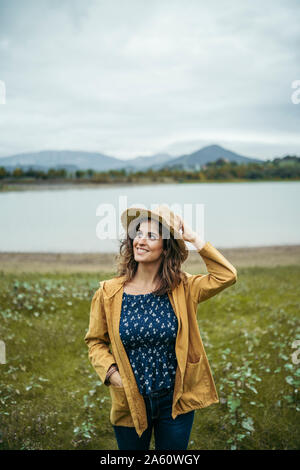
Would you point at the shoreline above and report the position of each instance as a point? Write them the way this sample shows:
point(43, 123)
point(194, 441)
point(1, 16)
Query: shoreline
point(262, 256)
point(8, 187)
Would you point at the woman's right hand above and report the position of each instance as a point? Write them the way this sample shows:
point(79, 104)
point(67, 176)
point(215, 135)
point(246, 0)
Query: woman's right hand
point(115, 379)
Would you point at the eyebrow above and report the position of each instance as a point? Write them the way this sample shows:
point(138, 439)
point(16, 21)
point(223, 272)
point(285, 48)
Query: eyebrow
point(154, 233)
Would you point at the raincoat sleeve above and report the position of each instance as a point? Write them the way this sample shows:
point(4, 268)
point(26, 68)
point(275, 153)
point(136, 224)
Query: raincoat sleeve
point(97, 337)
point(221, 274)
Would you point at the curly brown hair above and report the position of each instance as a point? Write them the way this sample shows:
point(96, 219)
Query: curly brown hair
point(169, 272)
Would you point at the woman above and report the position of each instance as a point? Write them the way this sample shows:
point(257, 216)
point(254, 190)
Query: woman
point(157, 370)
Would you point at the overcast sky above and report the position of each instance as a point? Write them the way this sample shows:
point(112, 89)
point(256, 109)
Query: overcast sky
point(137, 77)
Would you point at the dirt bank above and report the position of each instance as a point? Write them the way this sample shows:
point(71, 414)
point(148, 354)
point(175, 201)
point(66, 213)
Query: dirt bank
point(105, 262)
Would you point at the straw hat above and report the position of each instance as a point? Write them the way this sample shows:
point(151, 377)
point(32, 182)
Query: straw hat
point(132, 216)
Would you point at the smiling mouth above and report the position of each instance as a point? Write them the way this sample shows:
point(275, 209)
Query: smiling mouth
point(141, 250)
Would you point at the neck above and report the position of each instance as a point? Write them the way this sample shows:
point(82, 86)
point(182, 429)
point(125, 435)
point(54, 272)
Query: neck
point(147, 274)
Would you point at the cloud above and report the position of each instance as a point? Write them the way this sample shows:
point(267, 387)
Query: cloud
point(134, 78)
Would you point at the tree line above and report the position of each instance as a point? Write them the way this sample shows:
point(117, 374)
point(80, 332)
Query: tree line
point(286, 168)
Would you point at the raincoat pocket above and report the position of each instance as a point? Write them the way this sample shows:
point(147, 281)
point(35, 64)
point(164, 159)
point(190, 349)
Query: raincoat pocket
point(120, 413)
point(196, 385)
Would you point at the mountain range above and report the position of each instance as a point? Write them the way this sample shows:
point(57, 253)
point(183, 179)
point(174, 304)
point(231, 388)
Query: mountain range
point(80, 160)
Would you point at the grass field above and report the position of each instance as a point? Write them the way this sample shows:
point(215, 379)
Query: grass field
point(51, 397)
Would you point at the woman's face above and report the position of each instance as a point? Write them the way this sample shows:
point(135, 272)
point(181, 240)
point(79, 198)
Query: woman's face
point(148, 243)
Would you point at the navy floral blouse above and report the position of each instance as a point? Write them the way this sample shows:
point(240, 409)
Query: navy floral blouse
point(148, 330)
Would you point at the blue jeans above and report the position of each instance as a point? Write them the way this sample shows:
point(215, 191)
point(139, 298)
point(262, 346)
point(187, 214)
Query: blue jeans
point(169, 433)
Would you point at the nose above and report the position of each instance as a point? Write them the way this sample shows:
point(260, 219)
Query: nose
point(142, 242)
point(141, 238)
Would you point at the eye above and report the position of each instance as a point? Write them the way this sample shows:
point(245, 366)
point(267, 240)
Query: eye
point(152, 235)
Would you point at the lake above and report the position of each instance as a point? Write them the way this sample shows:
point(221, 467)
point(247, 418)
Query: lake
point(226, 214)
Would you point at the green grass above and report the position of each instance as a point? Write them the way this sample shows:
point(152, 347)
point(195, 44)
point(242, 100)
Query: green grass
point(51, 397)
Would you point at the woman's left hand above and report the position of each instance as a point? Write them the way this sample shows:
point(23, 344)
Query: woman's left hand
point(188, 233)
